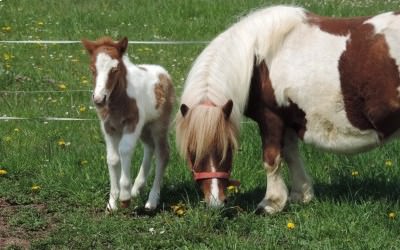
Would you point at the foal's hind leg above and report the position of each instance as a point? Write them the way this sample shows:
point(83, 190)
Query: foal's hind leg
point(302, 190)
point(144, 170)
point(162, 157)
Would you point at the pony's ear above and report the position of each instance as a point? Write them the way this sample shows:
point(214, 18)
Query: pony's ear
point(227, 109)
point(89, 45)
point(123, 45)
point(184, 109)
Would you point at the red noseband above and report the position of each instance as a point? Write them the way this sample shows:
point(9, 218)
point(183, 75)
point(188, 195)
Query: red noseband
point(219, 175)
point(210, 175)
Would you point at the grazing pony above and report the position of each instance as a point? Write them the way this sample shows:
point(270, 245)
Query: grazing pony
point(133, 102)
point(332, 82)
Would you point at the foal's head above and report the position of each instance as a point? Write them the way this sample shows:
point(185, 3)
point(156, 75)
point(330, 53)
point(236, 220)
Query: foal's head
point(106, 66)
point(207, 139)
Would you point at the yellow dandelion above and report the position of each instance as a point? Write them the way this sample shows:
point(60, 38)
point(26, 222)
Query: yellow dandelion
point(232, 189)
point(291, 225)
point(354, 173)
point(61, 143)
point(84, 81)
point(82, 109)
point(179, 209)
point(3, 172)
point(7, 57)
point(6, 29)
point(35, 188)
point(388, 163)
point(83, 162)
point(62, 86)
point(40, 23)
point(392, 215)
point(16, 130)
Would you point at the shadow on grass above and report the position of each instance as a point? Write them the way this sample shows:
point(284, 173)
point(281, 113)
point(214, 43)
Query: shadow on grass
point(344, 189)
point(350, 189)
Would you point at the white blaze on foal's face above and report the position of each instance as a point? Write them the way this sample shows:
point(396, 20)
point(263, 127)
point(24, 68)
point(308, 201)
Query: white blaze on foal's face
point(104, 64)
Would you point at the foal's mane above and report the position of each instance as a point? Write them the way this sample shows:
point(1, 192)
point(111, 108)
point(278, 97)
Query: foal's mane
point(205, 130)
point(105, 41)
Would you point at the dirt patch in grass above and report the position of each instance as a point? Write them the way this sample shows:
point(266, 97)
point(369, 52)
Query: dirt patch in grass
point(22, 224)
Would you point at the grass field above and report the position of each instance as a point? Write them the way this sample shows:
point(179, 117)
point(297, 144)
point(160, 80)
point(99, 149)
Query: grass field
point(53, 177)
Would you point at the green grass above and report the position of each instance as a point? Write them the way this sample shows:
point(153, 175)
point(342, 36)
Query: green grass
point(350, 210)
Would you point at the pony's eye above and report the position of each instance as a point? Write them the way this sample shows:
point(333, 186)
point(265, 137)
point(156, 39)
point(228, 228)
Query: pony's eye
point(114, 69)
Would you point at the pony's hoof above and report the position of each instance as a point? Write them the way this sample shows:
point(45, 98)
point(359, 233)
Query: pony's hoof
point(299, 197)
point(270, 208)
point(125, 204)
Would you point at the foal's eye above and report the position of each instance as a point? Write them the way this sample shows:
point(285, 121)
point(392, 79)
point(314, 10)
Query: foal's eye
point(114, 69)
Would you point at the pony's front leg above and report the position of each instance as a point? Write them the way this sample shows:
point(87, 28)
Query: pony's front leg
point(302, 189)
point(271, 129)
point(162, 157)
point(126, 147)
point(276, 194)
point(114, 170)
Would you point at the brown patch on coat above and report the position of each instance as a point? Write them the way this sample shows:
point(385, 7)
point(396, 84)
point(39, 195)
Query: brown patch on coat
point(336, 26)
point(369, 81)
point(120, 113)
point(262, 101)
point(162, 90)
point(165, 96)
point(272, 120)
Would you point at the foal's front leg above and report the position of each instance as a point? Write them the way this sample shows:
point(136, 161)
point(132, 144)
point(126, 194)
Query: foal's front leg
point(114, 170)
point(126, 147)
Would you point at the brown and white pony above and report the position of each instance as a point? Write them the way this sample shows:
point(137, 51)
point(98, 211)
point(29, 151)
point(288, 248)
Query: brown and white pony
point(133, 102)
point(331, 82)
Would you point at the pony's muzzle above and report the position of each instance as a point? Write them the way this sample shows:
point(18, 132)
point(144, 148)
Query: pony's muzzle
point(99, 100)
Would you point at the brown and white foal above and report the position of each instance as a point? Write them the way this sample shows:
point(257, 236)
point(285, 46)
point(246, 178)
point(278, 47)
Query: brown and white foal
point(133, 102)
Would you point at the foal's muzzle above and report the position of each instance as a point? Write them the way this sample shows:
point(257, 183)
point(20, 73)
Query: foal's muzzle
point(99, 101)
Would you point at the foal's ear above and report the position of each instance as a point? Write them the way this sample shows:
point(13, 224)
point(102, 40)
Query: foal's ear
point(123, 45)
point(184, 109)
point(227, 109)
point(89, 45)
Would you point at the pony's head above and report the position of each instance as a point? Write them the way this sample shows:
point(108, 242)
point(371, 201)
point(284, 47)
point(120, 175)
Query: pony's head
point(106, 66)
point(206, 138)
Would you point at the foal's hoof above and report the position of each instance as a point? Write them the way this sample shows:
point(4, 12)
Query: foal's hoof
point(125, 204)
point(150, 206)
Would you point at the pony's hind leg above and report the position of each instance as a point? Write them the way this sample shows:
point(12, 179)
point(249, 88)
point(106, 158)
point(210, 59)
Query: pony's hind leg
point(162, 157)
point(302, 189)
point(114, 170)
point(140, 181)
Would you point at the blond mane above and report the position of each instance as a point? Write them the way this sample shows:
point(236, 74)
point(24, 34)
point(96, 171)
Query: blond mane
point(205, 129)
